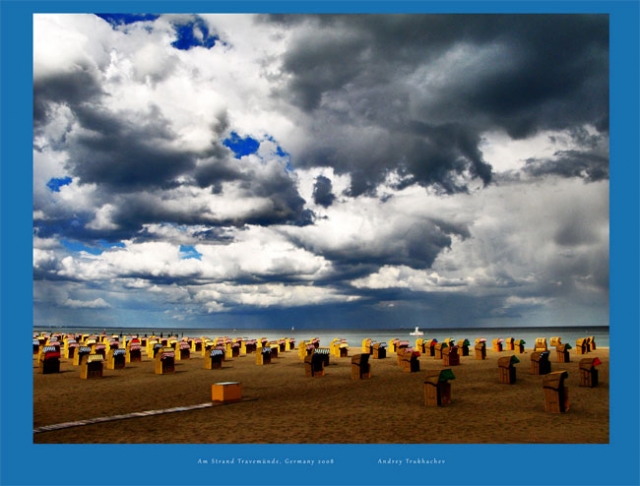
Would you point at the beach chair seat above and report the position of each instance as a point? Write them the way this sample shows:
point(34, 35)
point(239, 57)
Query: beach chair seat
point(324, 353)
point(157, 348)
point(588, 372)
point(555, 341)
point(70, 349)
point(263, 356)
point(582, 346)
point(450, 356)
point(314, 365)
point(408, 360)
point(556, 394)
point(290, 344)
point(49, 360)
point(402, 346)
point(562, 353)
point(497, 344)
point(380, 350)
point(82, 351)
point(367, 346)
point(540, 364)
point(437, 389)
point(133, 351)
point(506, 369)
point(196, 345)
point(251, 346)
point(463, 347)
point(360, 366)
point(116, 359)
point(518, 346)
point(164, 361)
point(214, 360)
point(342, 349)
point(91, 366)
point(438, 349)
point(540, 344)
point(183, 350)
point(393, 345)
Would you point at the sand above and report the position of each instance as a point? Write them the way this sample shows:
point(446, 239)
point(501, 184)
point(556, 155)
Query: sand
point(282, 405)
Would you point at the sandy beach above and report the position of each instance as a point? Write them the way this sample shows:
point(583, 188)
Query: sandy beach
point(282, 405)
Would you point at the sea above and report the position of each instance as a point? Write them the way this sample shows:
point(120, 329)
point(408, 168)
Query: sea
point(354, 337)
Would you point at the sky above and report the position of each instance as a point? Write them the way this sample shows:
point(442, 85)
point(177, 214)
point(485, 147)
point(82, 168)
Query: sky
point(321, 171)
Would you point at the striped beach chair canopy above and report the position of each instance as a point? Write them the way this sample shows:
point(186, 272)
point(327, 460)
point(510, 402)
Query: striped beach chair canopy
point(216, 352)
point(119, 352)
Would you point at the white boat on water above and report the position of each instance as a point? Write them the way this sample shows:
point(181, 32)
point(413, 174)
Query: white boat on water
point(416, 332)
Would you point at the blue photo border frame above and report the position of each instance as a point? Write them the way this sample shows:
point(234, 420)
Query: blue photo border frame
point(25, 463)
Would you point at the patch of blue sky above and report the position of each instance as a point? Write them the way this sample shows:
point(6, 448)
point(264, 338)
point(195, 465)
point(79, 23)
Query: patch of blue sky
point(189, 251)
point(241, 146)
point(56, 183)
point(108, 244)
point(193, 34)
point(78, 247)
point(127, 19)
point(280, 152)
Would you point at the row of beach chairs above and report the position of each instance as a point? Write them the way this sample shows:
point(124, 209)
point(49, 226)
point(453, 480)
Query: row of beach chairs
point(315, 357)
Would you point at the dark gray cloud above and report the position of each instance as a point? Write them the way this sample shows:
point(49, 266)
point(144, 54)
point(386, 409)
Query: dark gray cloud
point(126, 151)
point(69, 88)
point(571, 163)
point(416, 245)
point(518, 73)
point(323, 191)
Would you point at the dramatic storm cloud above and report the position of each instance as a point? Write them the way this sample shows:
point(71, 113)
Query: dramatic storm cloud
point(236, 170)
